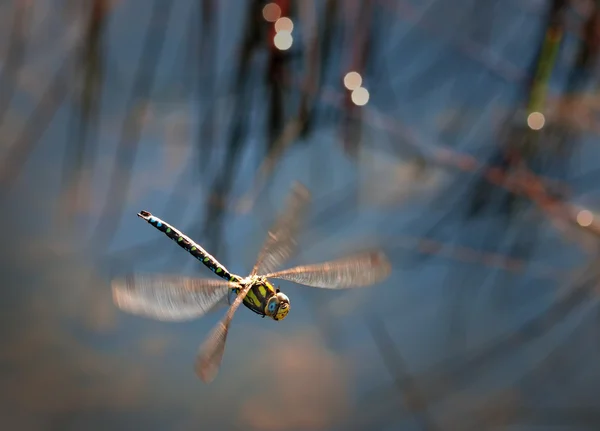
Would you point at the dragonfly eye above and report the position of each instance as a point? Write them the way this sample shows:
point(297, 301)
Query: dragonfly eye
point(283, 297)
point(272, 306)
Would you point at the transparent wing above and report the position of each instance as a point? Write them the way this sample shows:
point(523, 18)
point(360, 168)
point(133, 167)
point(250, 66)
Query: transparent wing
point(211, 351)
point(357, 270)
point(280, 244)
point(168, 298)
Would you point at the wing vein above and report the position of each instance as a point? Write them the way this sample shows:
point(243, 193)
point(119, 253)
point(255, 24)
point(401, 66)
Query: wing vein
point(358, 270)
point(210, 353)
point(168, 298)
point(280, 244)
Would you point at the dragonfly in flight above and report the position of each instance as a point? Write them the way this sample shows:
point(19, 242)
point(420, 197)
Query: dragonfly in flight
point(177, 298)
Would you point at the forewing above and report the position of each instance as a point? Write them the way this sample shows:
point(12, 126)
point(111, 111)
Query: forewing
point(168, 298)
point(280, 244)
point(211, 351)
point(358, 270)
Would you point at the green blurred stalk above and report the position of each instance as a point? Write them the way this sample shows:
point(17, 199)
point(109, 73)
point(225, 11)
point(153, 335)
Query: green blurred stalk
point(539, 90)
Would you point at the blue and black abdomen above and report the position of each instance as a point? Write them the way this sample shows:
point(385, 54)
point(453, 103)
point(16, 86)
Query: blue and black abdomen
point(189, 245)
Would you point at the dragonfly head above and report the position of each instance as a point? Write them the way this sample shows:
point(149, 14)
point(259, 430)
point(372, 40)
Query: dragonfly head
point(278, 306)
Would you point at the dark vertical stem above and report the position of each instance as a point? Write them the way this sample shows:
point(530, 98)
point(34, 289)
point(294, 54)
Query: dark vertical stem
point(207, 79)
point(221, 185)
point(34, 128)
point(85, 114)
point(352, 124)
point(14, 58)
point(395, 365)
point(130, 132)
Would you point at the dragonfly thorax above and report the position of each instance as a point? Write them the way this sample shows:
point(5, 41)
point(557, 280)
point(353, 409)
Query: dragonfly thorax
point(263, 298)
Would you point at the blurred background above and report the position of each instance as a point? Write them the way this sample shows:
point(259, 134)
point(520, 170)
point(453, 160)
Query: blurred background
point(460, 136)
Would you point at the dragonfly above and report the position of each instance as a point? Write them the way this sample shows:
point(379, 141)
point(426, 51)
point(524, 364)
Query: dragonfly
point(177, 298)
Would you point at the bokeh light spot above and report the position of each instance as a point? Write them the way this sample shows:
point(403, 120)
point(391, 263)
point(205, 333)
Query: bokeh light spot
point(536, 120)
point(352, 80)
point(284, 24)
point(271, 12)
point(585, 218)
point(360, 96)
point(283, 40)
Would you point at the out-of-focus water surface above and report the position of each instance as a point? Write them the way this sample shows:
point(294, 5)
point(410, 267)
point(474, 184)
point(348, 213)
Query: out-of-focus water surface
point(189, 110)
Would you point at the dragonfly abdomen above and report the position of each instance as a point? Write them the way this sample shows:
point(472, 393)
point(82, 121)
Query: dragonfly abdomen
point(189, 245)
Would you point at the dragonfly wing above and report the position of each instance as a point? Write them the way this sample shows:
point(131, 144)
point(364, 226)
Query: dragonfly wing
point(168, 298)
point(211, 351)
point(280, 244)
point(359, 270)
